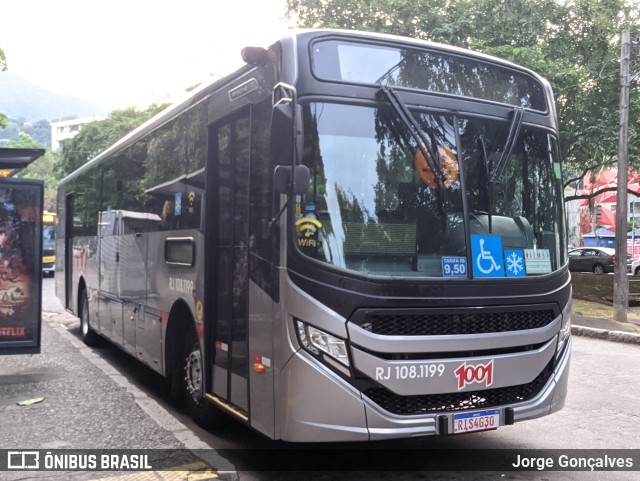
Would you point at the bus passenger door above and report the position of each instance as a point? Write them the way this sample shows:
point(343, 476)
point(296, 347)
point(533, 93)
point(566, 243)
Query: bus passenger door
point(109, 307)
point(227, 219)
point(132, 282)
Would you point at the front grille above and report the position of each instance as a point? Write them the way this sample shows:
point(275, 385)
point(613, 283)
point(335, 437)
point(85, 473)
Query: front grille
point(448, 402)
point(452, 323)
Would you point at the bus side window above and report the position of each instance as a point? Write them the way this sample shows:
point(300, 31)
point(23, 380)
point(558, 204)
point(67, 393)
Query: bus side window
point(187, 216)
point(166, 215)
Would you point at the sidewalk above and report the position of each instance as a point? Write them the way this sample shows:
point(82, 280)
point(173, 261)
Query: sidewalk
point(85, 403)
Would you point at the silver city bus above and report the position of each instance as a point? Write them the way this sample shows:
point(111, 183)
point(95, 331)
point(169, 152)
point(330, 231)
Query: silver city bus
point(352, 237)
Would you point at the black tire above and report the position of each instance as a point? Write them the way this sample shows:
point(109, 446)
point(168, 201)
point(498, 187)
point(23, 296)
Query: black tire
point(200, 410)
point(637, 272)
point(89, 337)
point(599, 269)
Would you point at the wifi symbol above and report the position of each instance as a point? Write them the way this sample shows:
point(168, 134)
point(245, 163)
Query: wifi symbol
point(308, 225)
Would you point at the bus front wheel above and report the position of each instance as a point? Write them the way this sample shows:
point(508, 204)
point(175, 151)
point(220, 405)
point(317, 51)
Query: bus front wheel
point(200, 410)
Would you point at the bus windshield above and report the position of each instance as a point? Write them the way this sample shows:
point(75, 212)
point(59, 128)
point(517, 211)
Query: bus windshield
point(374, 205)
point(48, 237)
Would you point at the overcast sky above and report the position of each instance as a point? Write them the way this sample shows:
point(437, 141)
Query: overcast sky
point(121, 53)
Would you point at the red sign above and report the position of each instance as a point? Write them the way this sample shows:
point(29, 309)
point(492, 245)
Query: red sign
point(480, 373)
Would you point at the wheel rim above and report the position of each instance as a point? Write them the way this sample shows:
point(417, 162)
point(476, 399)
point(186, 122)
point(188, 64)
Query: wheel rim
point(598, 269)
point(84, 319)
point(193, 375)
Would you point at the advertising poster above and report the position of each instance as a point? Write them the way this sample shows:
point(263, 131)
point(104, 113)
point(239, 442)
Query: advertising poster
point(20, 265)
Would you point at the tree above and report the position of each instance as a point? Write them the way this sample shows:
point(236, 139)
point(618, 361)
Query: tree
point(97, 136)
point(39, 131)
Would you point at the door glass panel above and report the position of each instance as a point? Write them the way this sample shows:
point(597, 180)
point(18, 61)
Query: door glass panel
point(231, 254)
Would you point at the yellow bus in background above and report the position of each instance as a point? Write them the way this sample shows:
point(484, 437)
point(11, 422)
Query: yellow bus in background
point(49, 220)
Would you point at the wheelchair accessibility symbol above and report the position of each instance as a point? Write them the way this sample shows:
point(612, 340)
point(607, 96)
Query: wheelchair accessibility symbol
point(486, 252)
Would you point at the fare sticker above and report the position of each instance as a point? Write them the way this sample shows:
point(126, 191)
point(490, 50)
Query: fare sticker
point(537, 261)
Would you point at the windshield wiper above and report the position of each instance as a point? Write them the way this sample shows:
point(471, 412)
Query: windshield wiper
point(514, 132)
point(384, 76)
point(428, 148)
point(486, 168)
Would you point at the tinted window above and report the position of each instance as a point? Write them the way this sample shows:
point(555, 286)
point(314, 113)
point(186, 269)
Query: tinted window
point(429, 70)
point(87, 190)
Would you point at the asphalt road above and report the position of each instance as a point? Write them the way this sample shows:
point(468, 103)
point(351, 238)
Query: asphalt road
point(99, 398)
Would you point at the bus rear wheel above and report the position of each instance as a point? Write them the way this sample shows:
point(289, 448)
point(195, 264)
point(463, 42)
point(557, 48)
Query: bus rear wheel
point(200, 410)
point(89, 337)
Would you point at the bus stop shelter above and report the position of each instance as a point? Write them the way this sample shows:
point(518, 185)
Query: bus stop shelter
point(13, 161)
point(20, 254)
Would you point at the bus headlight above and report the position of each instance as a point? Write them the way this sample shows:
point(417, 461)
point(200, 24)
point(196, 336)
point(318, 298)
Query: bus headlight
point(565, 331)
point(317, 341)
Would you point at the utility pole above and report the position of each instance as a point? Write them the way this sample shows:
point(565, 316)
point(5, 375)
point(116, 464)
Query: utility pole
point(620, 280)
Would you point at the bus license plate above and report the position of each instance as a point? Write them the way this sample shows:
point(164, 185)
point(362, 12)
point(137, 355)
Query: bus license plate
point(478, 421)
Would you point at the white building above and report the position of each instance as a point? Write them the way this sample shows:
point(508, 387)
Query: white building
point(65, 129)
point(572, 210)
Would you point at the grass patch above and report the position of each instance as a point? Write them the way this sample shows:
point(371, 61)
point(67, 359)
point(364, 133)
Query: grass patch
point(602, 311)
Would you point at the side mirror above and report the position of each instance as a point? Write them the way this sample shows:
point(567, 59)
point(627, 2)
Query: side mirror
point(283, 178)
point(282, 133)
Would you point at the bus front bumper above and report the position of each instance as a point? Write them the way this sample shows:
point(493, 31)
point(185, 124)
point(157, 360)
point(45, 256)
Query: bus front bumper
point(320, 406)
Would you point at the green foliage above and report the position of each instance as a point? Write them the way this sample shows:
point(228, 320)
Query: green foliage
point(39, 131)
point(97, 136)
point(42, 168)
point(25, 141)
point(90, 141)
point(575, 44)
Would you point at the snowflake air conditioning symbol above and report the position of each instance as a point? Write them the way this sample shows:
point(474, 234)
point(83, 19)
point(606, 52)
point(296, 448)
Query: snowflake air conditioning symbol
point(514, 263)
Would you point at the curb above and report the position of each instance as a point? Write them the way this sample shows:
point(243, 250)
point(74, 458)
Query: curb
point(615, 336)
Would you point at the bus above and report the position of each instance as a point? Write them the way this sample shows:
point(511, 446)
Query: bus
point(352, 237)
point(48, 243)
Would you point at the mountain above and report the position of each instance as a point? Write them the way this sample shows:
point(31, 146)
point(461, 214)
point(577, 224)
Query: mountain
point(21, 99)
